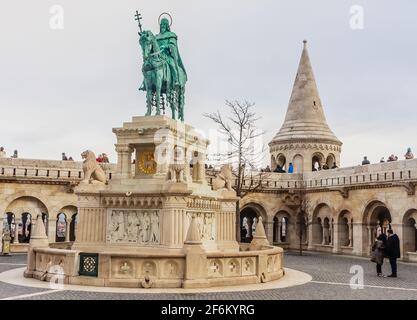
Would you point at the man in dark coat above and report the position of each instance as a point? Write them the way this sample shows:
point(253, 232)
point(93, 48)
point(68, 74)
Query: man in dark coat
point(393, 252)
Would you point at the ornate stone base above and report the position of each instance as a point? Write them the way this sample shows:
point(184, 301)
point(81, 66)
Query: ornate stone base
point(157, 270)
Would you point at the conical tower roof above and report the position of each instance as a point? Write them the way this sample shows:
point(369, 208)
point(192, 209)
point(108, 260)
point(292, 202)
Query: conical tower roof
point(305, 119)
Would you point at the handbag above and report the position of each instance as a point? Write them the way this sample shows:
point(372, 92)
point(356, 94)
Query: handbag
point(373, 256)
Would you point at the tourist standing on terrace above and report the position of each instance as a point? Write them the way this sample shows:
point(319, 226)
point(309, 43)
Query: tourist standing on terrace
point(393, 251)
point(2, 153)
point(365, 161)
point(378, 253)
point(290, 168)
point(15, 154)
point(409, 155)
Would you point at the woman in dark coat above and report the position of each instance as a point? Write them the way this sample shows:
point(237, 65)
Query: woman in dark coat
point(378, 253)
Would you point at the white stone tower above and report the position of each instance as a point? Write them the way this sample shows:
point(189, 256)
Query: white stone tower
point(305, 139)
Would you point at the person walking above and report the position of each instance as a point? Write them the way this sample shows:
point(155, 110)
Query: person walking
point(378, 253)
point(393, 252)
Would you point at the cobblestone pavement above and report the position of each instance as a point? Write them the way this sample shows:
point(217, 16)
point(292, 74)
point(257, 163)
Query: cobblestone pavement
point(331, 280)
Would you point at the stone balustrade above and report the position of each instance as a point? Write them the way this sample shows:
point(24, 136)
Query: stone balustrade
point(46, 169)
point(388, 172)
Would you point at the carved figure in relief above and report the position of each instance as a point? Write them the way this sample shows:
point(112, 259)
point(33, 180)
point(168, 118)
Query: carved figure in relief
point(144, 225)
point(210, 226)
point(154, 228)
point(121, 227)
point(132, 227)
point(114, 226)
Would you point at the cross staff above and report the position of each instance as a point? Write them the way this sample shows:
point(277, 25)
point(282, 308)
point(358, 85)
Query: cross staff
point(138, 17)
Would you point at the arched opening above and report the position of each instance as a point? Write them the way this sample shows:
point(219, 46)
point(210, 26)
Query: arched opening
point(318, 231)
point(61, 227)
point(410, 231)
point(67, 226)
point(298, 163)
point(281, 227)
point(249, 217)
point(25, 228)
point(317, 161)
point(73, 226)
point(322, 225)
point(377, 220)
point(23, 210)
point(345, 229)
point(281, 161)
point(330, 161)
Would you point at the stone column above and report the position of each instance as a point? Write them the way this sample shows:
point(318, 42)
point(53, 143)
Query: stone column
point(350, 231)
point(269, 230)
point(67, 230)
point(310, 235)
point(335, 237)
point(415, 245)
point(323, 230)
point(358, 231)
point(16, 230)
point(51, 229)
point(369, 228)
point(279, 231)
point(124, 160)
point(307, 234)
point(331, 232)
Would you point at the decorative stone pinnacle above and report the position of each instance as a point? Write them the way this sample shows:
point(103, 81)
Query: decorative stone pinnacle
point(193, 234)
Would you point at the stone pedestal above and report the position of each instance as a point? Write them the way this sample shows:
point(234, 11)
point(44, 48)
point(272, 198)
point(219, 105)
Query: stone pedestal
point(159, 225)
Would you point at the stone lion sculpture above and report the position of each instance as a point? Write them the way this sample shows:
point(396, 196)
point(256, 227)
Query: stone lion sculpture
point(224, 178)
point(92, 170)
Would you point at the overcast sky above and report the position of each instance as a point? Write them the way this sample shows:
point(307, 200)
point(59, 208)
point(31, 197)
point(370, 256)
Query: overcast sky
point(63, 90)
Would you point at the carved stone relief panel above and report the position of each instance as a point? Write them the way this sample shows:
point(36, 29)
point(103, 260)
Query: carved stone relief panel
point(133, 226)
point(206, 224)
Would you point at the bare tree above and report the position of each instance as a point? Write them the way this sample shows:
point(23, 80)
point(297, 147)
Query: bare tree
point(302, 218)
point(246, 155)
